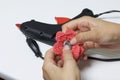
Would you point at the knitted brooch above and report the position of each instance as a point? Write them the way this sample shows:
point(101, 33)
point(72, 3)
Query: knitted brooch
point(61, 37)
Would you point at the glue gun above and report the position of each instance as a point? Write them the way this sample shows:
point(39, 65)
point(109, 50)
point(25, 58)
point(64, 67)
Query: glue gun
point(44, 32)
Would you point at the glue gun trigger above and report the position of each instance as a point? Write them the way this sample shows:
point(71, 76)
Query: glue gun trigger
point(34, 46)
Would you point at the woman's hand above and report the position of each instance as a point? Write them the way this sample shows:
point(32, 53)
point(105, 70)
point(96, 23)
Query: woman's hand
point(54, 71)
point(94, 32)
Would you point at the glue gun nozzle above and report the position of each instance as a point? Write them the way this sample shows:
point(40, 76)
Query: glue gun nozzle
point(18, 25)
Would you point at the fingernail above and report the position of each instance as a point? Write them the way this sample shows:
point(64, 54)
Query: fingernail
point(66, 47)
point(73, 41)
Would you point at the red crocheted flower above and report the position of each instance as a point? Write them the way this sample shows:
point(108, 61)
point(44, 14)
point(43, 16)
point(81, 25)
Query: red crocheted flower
point(70, 34)
point(58, 47)
point(61, 37)
point(75, 51)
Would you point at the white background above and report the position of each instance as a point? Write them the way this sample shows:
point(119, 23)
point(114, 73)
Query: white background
point(18, 62)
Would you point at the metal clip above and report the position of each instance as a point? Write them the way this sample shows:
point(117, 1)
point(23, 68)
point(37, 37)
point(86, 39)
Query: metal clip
point(67, 43)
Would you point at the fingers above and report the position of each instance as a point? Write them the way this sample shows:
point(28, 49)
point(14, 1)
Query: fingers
point(68, 57)
point(45, 75)
point(70, 25)
point(81, 24)
point(85, 36)
point(49, 57)
point(49, 63)
point(60, 63)
point(85, 28)
point(90, 44)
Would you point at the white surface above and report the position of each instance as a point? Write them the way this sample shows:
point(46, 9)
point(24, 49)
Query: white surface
point(16, 58)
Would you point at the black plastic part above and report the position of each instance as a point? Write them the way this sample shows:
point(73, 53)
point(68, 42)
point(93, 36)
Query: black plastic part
point(85, 12)
point(40, 31)
point(34, 46)
point(44, 32)
point(102, 59)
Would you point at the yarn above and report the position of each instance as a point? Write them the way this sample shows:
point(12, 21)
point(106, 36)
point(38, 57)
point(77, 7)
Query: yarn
point(61, 37)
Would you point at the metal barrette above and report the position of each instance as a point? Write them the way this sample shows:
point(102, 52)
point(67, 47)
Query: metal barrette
point(67, 43)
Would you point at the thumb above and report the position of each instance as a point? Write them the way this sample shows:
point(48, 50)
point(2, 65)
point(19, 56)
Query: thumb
point(85, 36)
point(68, 57)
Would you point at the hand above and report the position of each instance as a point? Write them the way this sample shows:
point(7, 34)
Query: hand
point(94, 32)
point(69, 70)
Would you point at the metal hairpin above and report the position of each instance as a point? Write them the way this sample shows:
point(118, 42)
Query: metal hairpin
point(67, 43)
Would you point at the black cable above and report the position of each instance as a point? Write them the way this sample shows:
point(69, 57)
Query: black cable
point(42, 57)
point(102, 59)
point(111, 11)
